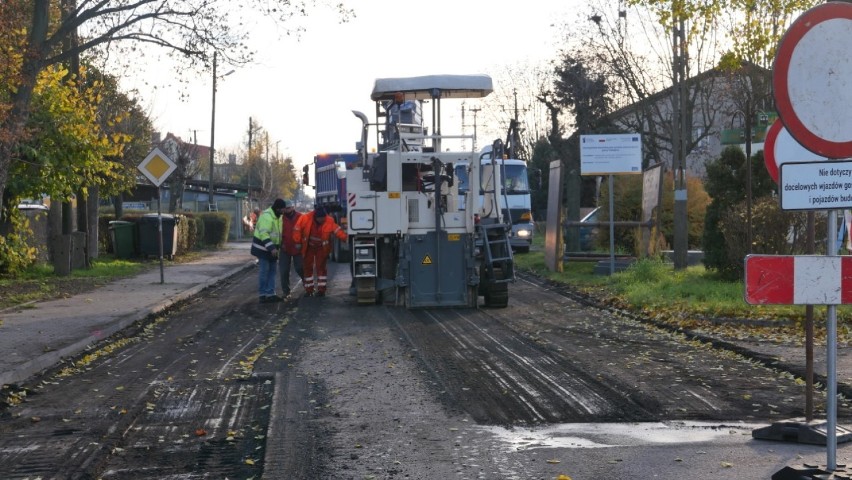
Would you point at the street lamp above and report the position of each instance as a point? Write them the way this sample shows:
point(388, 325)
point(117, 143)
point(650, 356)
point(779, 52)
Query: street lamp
point(210, 201)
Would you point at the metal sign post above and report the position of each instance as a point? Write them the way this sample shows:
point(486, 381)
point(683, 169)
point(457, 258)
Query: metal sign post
point(160, 233)
point(611, 154)
point(157, 167)
point(831, 357)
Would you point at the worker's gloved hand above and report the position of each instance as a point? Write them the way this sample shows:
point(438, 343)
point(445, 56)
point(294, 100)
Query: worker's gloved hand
point(325, 243)
point(299, 246)
point(275, 253)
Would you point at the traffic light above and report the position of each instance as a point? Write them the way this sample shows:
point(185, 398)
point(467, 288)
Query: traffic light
point(305, 178)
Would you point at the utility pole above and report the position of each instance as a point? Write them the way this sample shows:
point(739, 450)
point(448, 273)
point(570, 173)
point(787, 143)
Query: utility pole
point(513, 129)
point(475, 110)
point(266, 168)
point(463, 126)
point(680, 136)
point(210, 191)
point(210, 201)
point(248, 162)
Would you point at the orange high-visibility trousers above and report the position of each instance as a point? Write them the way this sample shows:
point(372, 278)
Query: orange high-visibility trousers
point(315, 260)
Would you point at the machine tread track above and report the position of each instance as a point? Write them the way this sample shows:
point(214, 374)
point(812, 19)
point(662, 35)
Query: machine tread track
point(366, 291)
point(496, 294)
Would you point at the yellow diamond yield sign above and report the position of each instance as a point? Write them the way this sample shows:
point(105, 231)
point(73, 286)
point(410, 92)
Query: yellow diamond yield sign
point(157, 166)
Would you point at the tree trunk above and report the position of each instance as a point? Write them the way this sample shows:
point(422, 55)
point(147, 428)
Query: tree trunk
point(176, 189)
point(92, 223)
point(571, 193)
point(83, 226)
point(12, 128)
point(118, 204)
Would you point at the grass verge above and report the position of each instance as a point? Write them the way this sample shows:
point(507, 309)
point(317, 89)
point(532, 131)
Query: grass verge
point(693, 298)
point(39, 283)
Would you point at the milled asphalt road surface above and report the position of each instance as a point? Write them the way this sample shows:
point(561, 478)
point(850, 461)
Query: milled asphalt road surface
point(38, 336)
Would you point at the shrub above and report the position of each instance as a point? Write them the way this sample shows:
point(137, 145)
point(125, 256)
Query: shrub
point(697, 201)
point(184, 227)
point(200, 233)
point(627, 192)
point(628, 207)
point(188, 233)
point(774, 232)
point(15, 254)
point(216, 227)
point(726, 222)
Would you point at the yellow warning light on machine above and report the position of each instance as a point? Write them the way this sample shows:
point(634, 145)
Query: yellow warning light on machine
point(427, 260)
point(454, 237)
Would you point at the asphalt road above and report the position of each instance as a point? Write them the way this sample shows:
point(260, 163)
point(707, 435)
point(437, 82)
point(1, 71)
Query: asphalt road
point(316, 388)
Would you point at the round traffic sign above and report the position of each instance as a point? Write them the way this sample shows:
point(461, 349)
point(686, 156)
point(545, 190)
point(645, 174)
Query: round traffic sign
point(779, 147)
point(769, 149)
point(812, 79)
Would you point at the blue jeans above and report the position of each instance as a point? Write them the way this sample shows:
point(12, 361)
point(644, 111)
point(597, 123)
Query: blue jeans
point(266, 276)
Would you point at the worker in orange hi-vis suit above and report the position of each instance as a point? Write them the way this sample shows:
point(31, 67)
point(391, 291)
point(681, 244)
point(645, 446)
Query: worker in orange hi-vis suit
point(312, 235)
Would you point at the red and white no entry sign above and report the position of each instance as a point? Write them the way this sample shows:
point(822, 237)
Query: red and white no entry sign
point(812, 79)
point(779, 147)
point(798, 280)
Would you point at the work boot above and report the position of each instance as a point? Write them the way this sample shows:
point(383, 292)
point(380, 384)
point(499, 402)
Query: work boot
point(309, 292)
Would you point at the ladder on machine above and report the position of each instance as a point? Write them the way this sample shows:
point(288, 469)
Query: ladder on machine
point(497, 251)
point(365, 269)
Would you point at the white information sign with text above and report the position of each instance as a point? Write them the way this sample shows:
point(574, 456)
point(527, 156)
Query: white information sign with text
point(816, 185)
point(610, 154)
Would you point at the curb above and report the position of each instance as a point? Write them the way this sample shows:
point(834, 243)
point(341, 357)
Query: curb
point(49, 359)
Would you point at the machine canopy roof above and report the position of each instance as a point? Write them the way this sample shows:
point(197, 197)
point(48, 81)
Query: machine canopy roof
point(422, 88)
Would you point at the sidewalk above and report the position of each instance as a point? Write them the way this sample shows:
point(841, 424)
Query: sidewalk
point(38, 336)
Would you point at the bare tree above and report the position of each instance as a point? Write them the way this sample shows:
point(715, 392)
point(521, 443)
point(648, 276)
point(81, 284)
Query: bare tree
point(193, 29)
point(635, 49)
point(188, 165)
point(515, 98)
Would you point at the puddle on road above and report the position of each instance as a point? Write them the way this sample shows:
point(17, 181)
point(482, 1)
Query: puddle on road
point(605, 435)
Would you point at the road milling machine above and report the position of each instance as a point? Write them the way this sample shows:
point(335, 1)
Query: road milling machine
point(414, 241)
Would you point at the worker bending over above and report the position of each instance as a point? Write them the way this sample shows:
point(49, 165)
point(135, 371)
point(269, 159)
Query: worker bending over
point(312, 235)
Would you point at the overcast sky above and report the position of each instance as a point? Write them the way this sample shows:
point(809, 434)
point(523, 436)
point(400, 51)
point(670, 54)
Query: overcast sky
point(303, 90)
